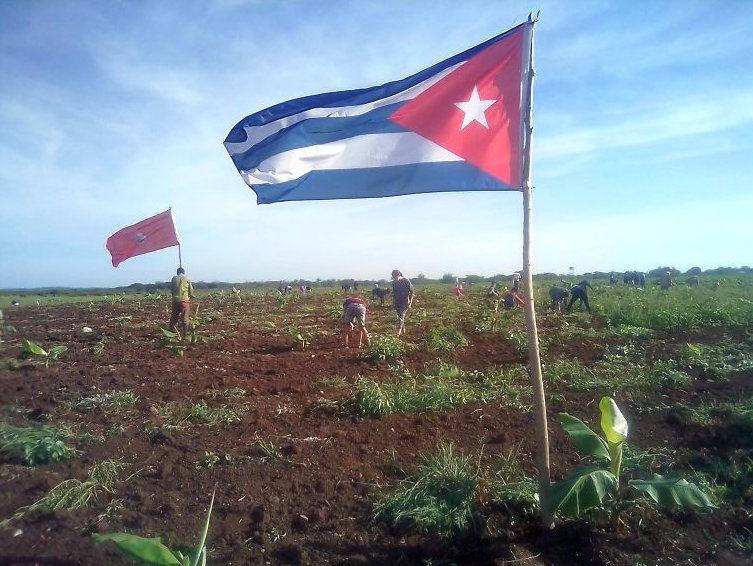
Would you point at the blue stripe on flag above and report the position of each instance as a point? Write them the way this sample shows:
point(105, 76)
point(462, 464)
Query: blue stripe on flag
point(380, 182)
point(317, 131)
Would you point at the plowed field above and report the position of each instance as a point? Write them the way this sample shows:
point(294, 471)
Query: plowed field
point(296, 467)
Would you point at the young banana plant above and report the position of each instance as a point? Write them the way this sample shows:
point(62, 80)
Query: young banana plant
point(597, 486)
point(152, 551)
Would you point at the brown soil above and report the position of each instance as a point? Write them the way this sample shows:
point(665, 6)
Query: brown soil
point(318, 508)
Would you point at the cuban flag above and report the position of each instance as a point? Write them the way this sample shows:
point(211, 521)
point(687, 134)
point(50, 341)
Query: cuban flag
point(456, 126)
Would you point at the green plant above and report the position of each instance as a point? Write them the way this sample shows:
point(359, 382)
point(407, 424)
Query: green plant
point(73, 494)
point(98, 348)
point(439, 497)
point(335, 312)
point(743, 542)
point(597, 487)
point(488, 317)
point(152, 551)
point(122, 319)
point(123, 398)
point(336, 381)
point(113, 507)
point(664, 373)
point(196, 338)
point(34, 445)
point(270, 453)
point(444, 339)
point(519, 342)
point(276, 534)
point(232, 393)
point(202, 413)
point(172, 342)
point(32, 349)
point(209, 460)
point(114, 299)
point(9, 364)
point(5, 328)
point(445, 386)
point(513, 489)
point(384, 348)
point(301, 338)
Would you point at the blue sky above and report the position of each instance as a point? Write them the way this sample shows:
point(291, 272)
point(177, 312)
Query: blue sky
point(111, 112)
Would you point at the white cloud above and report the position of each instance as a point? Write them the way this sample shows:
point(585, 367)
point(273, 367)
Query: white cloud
point(649, 123)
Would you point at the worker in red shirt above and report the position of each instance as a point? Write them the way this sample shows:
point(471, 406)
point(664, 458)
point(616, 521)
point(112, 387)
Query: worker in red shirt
point(511, 300)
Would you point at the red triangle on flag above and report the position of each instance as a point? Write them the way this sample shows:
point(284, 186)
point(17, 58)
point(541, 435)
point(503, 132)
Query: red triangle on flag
point(495, 74)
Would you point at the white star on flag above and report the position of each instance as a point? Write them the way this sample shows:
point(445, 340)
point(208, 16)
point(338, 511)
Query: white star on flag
point(474, 109)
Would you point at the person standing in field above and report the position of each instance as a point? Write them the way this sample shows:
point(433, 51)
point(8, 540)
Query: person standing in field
point(458, 290)
point(402, 298)
point(515, 282)
point(354, 308)
point(182, 292)
point(665, 280)
point(491, 293)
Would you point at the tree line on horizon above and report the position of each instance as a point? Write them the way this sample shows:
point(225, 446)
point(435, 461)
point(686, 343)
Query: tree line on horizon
point(365, 284)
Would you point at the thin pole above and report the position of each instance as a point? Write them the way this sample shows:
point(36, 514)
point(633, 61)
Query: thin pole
point(534, 357)
point(180, 258)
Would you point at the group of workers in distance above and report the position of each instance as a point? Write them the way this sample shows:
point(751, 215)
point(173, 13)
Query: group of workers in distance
point(354, 308)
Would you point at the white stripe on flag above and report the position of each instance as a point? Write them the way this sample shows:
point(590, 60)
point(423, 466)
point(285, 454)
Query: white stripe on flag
point(255, 134)
point(359, 152)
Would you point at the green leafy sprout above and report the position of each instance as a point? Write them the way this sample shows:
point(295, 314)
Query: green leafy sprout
point(597, 487)
point(34, 445)
point(33, 350)
point(153, 551)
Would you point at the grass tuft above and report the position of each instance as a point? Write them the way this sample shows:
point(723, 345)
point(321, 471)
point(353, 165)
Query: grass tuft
point(439, 497)
point(73, 494)
point(34, 445)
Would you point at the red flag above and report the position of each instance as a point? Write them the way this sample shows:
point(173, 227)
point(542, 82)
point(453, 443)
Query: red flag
point(149, 235)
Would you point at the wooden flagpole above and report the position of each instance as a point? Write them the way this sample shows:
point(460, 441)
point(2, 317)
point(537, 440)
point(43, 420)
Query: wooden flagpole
point(534, 358)
point(180, 257)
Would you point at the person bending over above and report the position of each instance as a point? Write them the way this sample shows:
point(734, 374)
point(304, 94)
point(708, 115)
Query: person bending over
point(354, 309)
point(578, 292)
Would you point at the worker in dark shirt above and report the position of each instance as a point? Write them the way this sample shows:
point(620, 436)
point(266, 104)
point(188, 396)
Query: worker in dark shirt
point(558, 296)
point(578, 292)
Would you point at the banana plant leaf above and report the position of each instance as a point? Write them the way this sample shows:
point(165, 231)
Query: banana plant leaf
point(613, 423)
point(55, 351)
point(32, 348)
point(148, 550)
point(586, 441)
point(200, 552)
point(673, 492)
point(583, 489)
